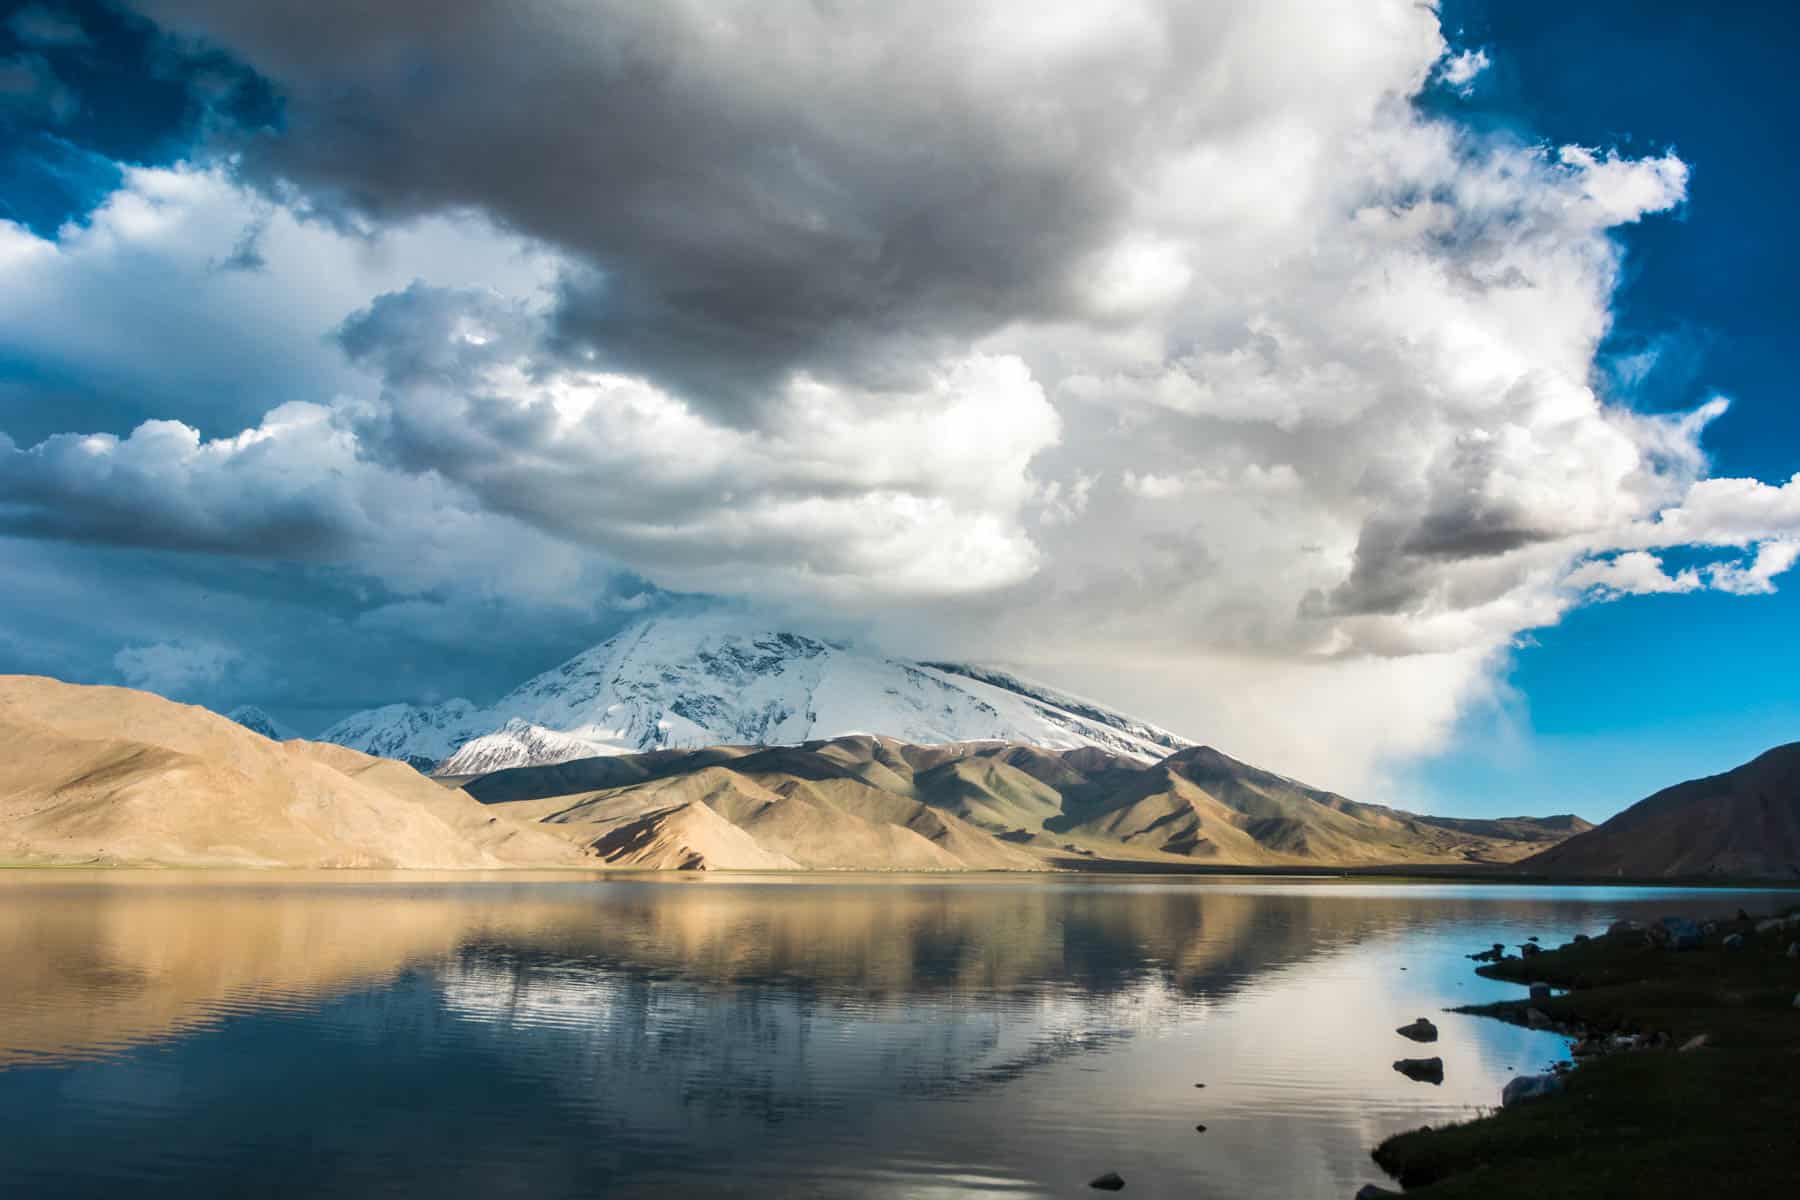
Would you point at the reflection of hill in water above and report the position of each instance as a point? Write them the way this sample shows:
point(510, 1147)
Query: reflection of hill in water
point(96, 965)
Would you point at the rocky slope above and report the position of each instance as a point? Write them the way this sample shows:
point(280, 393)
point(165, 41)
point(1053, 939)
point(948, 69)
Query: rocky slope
point(878, 803)
point(694, 681)
point(1745, 822)
point(95, 774)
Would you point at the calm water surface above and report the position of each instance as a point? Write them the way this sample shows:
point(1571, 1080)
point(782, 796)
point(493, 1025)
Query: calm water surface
point(169, 1034)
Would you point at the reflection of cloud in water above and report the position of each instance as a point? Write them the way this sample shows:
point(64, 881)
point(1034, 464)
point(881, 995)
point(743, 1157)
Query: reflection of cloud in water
point(766, 1041)
point(846, 1037)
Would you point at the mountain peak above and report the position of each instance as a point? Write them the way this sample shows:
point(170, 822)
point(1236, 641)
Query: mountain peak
point(679, 682)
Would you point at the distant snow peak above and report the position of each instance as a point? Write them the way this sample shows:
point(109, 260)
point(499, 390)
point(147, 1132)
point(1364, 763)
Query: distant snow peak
point(258, 721)
point(518, 743)
point(715, 679)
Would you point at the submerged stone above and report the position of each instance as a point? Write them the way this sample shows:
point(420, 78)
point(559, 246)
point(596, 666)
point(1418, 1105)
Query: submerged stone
point(1422, 1070)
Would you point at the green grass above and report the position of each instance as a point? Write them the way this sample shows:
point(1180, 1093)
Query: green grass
point(1646, 1124)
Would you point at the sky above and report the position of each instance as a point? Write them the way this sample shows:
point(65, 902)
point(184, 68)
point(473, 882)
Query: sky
point(1389, 395)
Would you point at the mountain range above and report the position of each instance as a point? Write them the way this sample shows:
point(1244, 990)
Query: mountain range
point(111, 775)
point(879, 803)
point(707, 743)
point(686, 682)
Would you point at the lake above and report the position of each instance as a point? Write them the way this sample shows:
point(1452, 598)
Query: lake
point(560, 1035)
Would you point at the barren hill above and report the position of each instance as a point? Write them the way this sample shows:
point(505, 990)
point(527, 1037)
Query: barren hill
point(115, 775)
point(1745, 822)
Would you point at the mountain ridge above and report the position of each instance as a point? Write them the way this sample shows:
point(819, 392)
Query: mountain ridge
point(1196, 807)
point(1744, 822)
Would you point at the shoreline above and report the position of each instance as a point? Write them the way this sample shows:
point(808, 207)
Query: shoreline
point(1685, 1083)
point(1397, 874)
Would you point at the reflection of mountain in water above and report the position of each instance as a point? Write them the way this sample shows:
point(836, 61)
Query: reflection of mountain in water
point(557, 1036)
point(96, 966)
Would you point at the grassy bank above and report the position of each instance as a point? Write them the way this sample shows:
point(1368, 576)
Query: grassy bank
point(1646, 1123)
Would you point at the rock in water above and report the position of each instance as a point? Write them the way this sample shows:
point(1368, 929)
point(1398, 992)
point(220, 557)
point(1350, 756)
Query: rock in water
point(1697, 1042)
point(1420, 1030)
point(1793, 950)
point(1109, 1182)
point(1529, 949)
point(1540, 991)
point(1422, 1070)
point(1370, 1191)
point(1529, 1087)
point(1734, 941)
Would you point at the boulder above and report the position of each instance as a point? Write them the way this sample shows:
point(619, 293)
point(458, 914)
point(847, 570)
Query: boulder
point(1529, 1087)
point(1768, 924)
point(1622, 927)
point(1697, 1042)
point(1370, 1191)
point(1733, 941)
point(1679, 933)
point(1420, 1030)
point(1582, 939)
point(1793, 950)
point(1529, 949)
point(1797, 999)
point(1109, 1182)
point(1540, 991)
point(1422, 1070)
point(1537, 1018)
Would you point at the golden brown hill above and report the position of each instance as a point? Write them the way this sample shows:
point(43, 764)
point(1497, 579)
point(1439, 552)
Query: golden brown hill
point(99, 774)
point(1743, 823)
point(113, 775)
point(870, 802)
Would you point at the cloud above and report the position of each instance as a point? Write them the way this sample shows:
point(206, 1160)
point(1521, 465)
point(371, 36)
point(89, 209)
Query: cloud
point(29, 86)
point(1755, 578)
point(1180, 338)
point(1633, 573)
point(136, 314)
point(917, 491)
point(175, 668)
point(1458, 70)
point(849, 189)
point(41, 25)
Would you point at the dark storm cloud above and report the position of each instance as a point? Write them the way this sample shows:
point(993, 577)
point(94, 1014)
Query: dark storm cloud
point(158, 489)
point(85, 87)
point(756, 187)
point(307, 643)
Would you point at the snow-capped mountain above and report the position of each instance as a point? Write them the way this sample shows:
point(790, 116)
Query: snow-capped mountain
point(691, 681)
point(258, 721)
point(517, 743)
